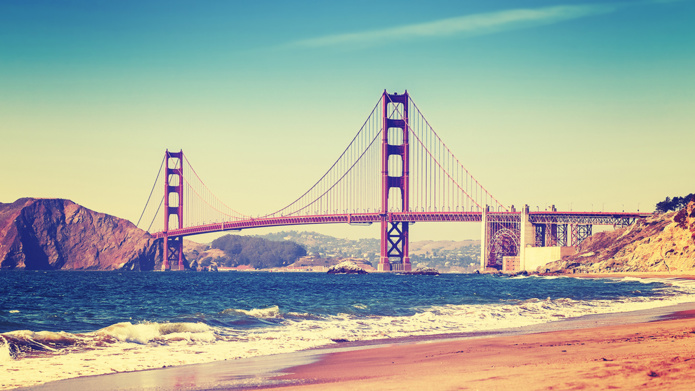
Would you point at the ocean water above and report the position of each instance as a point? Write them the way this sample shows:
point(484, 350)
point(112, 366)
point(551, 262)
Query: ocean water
point(57, 325)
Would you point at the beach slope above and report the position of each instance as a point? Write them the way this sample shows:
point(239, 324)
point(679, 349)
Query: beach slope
point(655, 355)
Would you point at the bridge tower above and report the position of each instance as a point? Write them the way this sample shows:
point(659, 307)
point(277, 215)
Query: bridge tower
point(395, 171)
point(173, 205)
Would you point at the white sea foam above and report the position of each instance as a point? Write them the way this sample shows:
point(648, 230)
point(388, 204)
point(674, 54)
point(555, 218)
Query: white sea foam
point(5, 352)
point(260, 313)
point(640, 280)
point(24, 341)
point(158, 332)
point(128, 347)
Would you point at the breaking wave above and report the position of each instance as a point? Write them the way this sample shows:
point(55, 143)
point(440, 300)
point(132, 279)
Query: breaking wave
point(159, 332)
point(260, 313)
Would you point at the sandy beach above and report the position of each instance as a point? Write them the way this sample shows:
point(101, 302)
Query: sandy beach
point(655, 355)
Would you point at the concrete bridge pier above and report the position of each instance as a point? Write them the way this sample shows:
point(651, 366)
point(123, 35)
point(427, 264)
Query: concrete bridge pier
point(527, 236)
point(483, 240)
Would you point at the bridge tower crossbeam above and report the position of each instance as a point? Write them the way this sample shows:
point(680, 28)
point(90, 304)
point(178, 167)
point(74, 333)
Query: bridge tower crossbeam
point(394, 142)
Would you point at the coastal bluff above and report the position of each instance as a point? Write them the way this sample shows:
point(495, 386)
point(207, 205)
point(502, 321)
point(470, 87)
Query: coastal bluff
point(58, 234)
point(660, 243)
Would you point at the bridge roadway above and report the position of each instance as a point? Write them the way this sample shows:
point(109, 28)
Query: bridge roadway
point(544, 217)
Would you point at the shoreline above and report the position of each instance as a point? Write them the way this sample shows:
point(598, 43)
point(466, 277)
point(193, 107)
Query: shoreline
point(645, 275)
point(658, 354)
point(319, 368)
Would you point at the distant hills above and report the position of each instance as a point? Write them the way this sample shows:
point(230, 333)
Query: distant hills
point(255, 252)
point(445, 255)
point(325, 246)
point(323, 251)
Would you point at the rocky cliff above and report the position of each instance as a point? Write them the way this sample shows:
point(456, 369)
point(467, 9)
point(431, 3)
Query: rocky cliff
point(47, 234)
point(660, 243)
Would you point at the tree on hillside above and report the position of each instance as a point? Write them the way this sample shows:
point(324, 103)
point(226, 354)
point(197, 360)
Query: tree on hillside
point(257, 252)
point(674, 203)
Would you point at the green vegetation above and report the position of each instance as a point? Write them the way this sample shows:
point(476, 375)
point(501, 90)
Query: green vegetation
point(256, 252)
point(442, 255)
point(285, 248)
point(674, 203)
point(325, 246)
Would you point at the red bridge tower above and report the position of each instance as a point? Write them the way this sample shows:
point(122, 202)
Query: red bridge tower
point(395, 171)
point(173, 205)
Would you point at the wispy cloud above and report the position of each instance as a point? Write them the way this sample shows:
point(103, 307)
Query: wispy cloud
point(469, 25)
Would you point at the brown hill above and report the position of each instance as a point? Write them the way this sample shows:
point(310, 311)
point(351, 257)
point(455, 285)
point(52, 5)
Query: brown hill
point(45, 234)
point(660, 243)
point(425, 246)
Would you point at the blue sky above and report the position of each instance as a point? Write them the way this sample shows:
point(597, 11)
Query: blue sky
point(586, 105)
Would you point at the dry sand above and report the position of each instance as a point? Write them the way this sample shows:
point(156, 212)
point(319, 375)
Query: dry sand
point(655, 355)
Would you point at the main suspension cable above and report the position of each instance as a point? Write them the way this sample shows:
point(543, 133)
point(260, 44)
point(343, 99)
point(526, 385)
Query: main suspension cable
point(151, 192)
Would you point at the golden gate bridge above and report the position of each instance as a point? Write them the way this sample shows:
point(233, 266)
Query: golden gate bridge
point(396, 171)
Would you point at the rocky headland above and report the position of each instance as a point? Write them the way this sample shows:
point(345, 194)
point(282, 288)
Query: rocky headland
point(659, 243)
point(53, 234)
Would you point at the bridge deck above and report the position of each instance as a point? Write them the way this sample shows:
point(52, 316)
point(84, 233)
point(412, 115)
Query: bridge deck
point(594, 218)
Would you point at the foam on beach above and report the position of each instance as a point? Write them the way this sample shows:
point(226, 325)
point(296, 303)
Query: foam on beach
point(29, 358)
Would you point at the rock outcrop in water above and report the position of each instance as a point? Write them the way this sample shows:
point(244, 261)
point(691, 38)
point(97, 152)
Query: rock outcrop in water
point(49, 234)
point(346, 267)
point(423, 271)
point(659, 243)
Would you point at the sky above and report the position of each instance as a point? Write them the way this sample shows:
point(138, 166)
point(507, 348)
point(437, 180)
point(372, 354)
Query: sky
point(587, 105)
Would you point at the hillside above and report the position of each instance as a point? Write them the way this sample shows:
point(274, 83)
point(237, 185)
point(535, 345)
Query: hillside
point(325, 246)
point(325, 251)
point(660, 243)
point(232, 251)
point(50, 234)
point(444, 255)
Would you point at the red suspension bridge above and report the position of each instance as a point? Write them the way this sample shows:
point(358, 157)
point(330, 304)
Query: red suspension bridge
point(396, 171)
